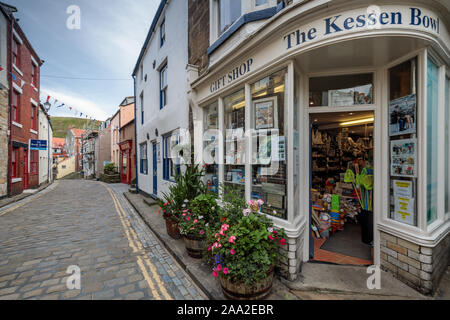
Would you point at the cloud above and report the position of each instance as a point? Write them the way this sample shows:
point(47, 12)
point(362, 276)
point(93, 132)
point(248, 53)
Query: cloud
point(78, 104)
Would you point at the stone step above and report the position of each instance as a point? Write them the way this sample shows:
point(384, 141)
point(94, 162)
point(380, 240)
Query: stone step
point(150, 202)
point(132, 190)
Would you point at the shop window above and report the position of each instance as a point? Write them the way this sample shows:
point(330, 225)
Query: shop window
point(143, 156)
point(211, 147)
point(432, 139)
point(402, 126)
point(447, 145)
point(269, 164)
point(341, 91)
point(171, 162)
point(14, 163)
point(34, 159)
point(234, 112)
point(229, 12)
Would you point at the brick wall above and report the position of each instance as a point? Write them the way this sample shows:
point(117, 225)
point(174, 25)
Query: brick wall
point(289, 266)
point(198, 33)
point(418, 266)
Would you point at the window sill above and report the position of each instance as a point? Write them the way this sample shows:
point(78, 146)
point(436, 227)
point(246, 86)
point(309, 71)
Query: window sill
point(17, 70)
point(17, 124)
point(33, 131)
point(15, 180)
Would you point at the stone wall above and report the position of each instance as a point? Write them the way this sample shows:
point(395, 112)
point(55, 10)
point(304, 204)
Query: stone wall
point(289, 266)
point(418, 266)
point(4, 146)
point(198, 33)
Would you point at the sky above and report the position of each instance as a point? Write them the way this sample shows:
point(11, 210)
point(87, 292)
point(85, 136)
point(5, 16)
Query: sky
point(107, 45)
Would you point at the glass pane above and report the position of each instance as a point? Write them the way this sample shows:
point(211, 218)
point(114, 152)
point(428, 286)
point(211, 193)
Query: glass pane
point(447, 144)
point(229, 12)
point(211, 147)
point(234, 112)
point(403, 142)
point(269, 165)
point(432, 136)
point(260, 2)
point(341, 91)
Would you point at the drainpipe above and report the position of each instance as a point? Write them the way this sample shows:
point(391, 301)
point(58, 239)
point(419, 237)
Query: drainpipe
point(135, 136)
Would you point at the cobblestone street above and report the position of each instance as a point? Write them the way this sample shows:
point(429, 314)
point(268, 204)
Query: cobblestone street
point(90, 225)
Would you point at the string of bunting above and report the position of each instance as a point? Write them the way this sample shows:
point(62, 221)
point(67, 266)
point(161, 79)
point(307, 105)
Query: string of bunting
point(55, 101)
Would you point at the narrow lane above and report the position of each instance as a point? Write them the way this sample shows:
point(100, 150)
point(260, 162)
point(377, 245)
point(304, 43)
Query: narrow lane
point(90, 225)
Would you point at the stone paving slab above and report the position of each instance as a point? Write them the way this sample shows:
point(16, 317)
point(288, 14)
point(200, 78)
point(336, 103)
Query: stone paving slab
point(77, 223)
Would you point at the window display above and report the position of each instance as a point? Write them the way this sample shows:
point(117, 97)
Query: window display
point(269, 168)
point(447, 144)
point(211, 147)
point(402, 119)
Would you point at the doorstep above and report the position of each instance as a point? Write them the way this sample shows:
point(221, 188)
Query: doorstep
point(195, 268)
point(321, 280)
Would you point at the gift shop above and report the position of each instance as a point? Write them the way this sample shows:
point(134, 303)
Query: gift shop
point(336, 114)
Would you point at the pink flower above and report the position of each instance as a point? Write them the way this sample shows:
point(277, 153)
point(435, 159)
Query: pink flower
point(165, 204)
point(260, 202)
point(192, 228)
point(209, 248)
point(225, 227)
point(225, 270)
point(216, 235)
point(195, 221)
point(202, 232)
point(283, 242)
point(231, 239)
point(232, 251)
point(251, 202)
point(270, 237)
point(215, 274)
point(219, 245)
point(184, 214)
point(221, 233)
point(219, 267)
point(188, 218)
point(246, 212)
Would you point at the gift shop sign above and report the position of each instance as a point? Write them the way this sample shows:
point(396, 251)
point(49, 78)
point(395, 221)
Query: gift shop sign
point(234, 74)
point(368, 18)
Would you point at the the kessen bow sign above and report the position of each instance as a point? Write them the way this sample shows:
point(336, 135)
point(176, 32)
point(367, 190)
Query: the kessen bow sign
point(373, 17)
point(38, 144)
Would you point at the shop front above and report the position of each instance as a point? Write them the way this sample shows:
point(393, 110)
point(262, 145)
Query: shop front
point(337, 117)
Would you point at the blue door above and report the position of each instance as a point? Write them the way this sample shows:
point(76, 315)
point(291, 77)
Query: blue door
point(155, 171)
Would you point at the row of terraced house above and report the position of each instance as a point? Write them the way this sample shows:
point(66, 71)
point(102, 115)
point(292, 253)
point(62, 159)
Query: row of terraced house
point(25, 127)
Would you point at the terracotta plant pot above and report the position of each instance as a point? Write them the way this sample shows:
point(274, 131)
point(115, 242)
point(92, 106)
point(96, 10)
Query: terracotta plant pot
point(241, 291)
point(194, 246)
point(172, 229)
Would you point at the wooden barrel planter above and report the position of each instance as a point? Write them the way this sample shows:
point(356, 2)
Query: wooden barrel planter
point(172, 229)
point(241, 291)
point(194, 246)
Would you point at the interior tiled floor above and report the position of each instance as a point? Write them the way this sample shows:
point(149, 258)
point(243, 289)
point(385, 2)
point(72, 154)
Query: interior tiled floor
point(333, 257)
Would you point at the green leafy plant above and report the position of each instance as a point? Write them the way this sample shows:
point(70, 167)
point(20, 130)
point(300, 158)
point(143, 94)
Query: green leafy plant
point(195, 219)
point(110, 168)
point(244, 249)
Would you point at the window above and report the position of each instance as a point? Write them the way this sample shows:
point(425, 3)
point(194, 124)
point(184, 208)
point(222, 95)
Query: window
point(171, 163)
point(260, 2)
point(229, 12)
point(141, 98)
point(33, 117)
point(269, 168)
point(163, 86)
point(234, 112)
point(143, 156)
point(141, 71)
point(14, 159)
point(162, 33)
point(401, 122)
point(432, 140)
point(16, 53)
point(15, 107)
point(33, 75)
point(341, 91)
point(211, 147)
point(34, 159)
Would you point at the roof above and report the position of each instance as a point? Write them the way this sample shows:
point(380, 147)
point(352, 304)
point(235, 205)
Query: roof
point(127, 101)
point(58, 142)
point(150, 33)
point(77, 132)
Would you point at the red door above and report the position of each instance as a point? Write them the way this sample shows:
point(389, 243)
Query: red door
point(25, 169)
point(123, 167)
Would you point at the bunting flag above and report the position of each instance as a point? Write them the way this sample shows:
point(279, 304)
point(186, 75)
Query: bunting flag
point(14, 76)
point(1, 67)
point(48, 98)
point(60, 106)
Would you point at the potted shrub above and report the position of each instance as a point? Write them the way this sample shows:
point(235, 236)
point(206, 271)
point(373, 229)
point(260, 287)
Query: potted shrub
point(169, 210)
point(194, 222)
point(244, 253)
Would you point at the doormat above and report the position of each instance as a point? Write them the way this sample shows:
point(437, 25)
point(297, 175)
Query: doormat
point(348, 242)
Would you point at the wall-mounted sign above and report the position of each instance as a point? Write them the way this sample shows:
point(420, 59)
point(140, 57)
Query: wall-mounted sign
point(38, 144)
point(231, 76)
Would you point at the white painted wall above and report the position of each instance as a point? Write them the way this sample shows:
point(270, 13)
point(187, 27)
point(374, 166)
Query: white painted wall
point(176, 113)
point(45, 161)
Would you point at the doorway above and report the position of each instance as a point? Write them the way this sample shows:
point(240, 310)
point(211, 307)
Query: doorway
point(341, 181)
point(26, 183)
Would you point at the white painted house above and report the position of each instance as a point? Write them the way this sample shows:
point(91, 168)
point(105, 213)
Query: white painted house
point(45, 156)
point(162, 108)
